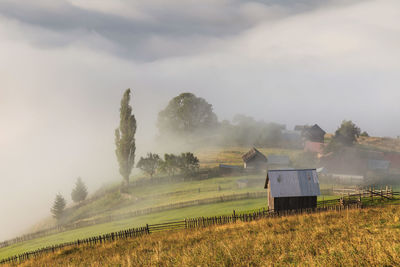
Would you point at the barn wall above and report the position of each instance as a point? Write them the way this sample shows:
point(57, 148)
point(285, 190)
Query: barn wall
point(294, 203)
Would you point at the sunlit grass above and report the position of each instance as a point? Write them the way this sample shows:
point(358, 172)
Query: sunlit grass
point(368, 237)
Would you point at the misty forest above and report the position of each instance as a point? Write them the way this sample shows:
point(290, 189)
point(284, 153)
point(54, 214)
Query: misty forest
point(233, 133)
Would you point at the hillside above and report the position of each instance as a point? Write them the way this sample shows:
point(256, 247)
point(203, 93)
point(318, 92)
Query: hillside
point(108, 210)
point(368, 237)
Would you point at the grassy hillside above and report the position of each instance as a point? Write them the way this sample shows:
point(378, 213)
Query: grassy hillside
point(171, 215)
point(368, 237)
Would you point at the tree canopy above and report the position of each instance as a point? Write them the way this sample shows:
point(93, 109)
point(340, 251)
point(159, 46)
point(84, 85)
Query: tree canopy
point(125, 138)
point(345, 135)
point(186, 114)
point(149, 164)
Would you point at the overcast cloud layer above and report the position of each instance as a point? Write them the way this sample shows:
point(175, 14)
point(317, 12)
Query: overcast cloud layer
point(65, 64)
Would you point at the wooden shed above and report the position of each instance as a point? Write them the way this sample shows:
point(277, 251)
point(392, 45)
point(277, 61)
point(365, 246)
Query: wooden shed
point(311, 133)
point(292, 189)
point(254, 159)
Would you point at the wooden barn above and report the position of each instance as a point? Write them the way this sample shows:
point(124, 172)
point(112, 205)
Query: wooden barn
point(292, 189)
point(254, 159)
point(311, 133)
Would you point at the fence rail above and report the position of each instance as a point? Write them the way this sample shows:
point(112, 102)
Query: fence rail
point(192, 223)
point(177, 225)
point(184, 204)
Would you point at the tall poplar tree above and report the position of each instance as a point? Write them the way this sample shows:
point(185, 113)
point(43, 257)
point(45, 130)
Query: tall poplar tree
point(125, 138)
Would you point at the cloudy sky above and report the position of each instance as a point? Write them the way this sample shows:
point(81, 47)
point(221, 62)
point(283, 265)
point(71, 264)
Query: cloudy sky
point(65, 64)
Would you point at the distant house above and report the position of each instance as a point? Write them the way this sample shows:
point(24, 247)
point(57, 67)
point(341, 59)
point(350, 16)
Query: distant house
point(313, 147)
point(292, 189)
point(311, 133)
point(314, 134)
point(254, 159)
point(278, 161)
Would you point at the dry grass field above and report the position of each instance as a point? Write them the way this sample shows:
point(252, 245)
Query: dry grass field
point(382, 143)
point(368, 237)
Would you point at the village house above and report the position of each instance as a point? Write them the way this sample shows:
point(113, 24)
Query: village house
point(311, 133)
point(292, 189)
point(255, 160)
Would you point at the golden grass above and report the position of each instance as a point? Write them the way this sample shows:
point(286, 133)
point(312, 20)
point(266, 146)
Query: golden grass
point(383, 143)
point(369, 237)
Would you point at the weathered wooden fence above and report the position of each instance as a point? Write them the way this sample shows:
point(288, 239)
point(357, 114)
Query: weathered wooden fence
point(350, 201)
point(185, 204)
point(177, 225)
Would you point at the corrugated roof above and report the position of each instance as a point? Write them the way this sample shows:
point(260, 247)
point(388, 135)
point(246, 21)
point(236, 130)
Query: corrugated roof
point(293, 183)
point(252, 154)
point(374, 164)
point(278, 159)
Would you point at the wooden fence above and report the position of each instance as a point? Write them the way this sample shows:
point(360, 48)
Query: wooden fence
point(366, 193)
point(348, 202)
point(185, 204)
point(177, 225)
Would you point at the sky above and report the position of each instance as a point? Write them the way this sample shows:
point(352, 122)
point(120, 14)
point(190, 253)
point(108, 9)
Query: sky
point(65, 64)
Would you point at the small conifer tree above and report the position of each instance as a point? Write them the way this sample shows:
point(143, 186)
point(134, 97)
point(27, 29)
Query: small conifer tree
point(79, 193)
point(58, 207)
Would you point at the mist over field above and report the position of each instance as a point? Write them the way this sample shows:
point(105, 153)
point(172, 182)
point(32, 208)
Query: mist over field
point(64, 66)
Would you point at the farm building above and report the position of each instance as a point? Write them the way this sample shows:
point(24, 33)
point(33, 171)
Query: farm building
point(311, 133)
point(254, 159)
point(278, 161)
point(292, 189)
point(313, 147)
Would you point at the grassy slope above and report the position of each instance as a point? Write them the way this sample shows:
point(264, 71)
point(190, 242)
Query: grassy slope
point(171, 215)
point(369, 237)
point(154, 195)
point(166, 216)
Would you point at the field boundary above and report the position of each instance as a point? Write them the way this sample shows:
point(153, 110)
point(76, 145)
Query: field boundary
point(177, 205)
point(354, 201)
point(192, 223)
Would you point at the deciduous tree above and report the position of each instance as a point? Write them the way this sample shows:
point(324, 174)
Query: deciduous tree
point(149, 164)
point(186, 114)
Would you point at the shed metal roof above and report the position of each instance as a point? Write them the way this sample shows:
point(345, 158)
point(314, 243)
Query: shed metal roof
point(293, 183)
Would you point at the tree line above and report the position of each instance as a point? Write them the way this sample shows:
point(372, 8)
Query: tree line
point(185, 163)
